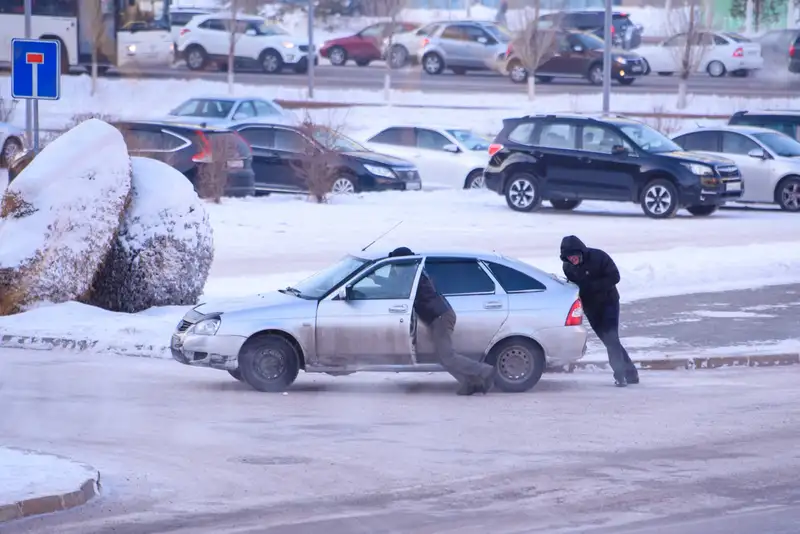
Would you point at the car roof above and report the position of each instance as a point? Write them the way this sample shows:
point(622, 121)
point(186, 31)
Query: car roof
point(611, 118)
point(226, 98)
point(791, 112)
point(747, 130)
point(380, 253)
point(174, 124)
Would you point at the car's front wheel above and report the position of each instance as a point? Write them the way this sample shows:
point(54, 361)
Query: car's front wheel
point(522, 192)
point(659, 199)
point(433, 63)
point(519, 364)
point(196, 58)
point(269, 363)
point(787, 194)
point(517, 72)
point(595, 74)
point(271, 62)
point(337, 56)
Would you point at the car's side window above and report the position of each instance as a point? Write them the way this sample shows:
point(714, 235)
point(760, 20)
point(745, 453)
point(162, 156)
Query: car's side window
point(603, 140)
point(431, 140)
point(512, 280)
point(454, 32)
point(144, 140)
point(395, 136)
point(719, 41)
point(172, 141)
point(458, 277)
point(264, 109)
point(523, 133)
point(705, 141)
point(214, 24)
point(259, 137)
point(734, 143)
point(473, 34)
point(558, 135)
point(290, 141)
point(389, 281)
point(245, 110)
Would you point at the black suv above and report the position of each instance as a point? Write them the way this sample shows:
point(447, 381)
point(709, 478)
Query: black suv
point(784, 121)
point(566, 159)
point(293, 159)
point(624, 33)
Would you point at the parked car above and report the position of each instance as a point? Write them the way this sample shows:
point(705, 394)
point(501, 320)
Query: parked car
point(224, 111)
point(194, 150)
point(346, 318)
point(341, 8)
point(206, 39)
point(715, 53)
point(464, 46)
point(403, 48)
point(11, 141)
point(781, 50)
point(363, 47)
point(781, 120)
point(445, 156)
point(769, 161)
point(570, 158)
point(575, 54)
point(624, 33)
point(286, 157)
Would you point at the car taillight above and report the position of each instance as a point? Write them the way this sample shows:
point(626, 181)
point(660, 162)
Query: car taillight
point(739, 52)
point(494, 148)
point(575, 315)
point(425, 42)
point(204, 156)
point(183, 32)
point(508, 51)
point(613, 30)
point(791, 51)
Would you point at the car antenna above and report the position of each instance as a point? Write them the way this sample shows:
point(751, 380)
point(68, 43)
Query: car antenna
point(381, 236)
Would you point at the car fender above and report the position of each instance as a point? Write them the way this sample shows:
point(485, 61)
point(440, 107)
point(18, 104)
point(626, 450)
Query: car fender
point(520, 162)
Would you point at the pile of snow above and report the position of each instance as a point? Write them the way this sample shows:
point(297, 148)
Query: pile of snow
point(61, 215)
point(165, 246)
point(27, 475)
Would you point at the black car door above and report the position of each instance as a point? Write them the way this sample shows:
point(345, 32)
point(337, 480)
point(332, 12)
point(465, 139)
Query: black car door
point(609, 164)
point(557, 149)
point(266, 160)
point(297, 163)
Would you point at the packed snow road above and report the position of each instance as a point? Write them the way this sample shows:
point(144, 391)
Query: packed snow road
point(187, 451)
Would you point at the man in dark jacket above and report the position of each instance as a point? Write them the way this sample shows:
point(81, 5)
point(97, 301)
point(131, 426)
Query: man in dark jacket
point(434, 310)
point(595, 273)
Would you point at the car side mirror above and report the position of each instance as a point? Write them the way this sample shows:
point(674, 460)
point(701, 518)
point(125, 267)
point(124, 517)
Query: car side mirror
point(251, 32)
point(757, 153)
point(577, 48)
point(451, 148)
point(345, 293)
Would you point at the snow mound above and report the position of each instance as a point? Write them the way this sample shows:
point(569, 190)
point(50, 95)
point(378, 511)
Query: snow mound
point(165, 246)
point(60, 216)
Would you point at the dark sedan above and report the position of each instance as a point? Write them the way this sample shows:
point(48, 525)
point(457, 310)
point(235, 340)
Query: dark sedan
point(290, 159)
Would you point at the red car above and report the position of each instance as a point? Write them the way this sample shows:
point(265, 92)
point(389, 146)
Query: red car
point(363, 47)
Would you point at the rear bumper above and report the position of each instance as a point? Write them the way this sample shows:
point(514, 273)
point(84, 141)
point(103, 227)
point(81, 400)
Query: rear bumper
point(563, 345)
point(794, 66)
point(493, 181)
point(241, 183)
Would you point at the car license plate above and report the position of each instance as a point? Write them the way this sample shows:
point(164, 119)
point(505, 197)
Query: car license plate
point(636, 68)
point(235, 164)
point(733, 186)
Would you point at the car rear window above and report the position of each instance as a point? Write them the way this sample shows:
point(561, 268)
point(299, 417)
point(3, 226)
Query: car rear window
point(522, 133)
point(513, 280)
point(736, 37)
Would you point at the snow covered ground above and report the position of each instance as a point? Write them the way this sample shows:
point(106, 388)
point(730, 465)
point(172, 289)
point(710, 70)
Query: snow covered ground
point(27, 475)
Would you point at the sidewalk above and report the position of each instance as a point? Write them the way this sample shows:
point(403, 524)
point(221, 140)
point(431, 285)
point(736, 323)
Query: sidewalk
point(33, 483)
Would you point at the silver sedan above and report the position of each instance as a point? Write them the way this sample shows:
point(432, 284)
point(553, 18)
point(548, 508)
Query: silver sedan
point(358, 315)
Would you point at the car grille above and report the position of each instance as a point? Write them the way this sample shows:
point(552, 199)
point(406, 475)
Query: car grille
point(303, 48)
point(728, 171)
point(183, 326)
point(407, 176)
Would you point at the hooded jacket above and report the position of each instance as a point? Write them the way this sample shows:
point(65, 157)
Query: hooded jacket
point(596, 275)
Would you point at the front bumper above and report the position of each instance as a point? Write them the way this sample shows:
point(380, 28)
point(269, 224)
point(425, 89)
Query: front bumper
point(217, 352)
point(729, 187)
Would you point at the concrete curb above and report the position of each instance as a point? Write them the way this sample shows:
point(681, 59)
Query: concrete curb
point(12, 341)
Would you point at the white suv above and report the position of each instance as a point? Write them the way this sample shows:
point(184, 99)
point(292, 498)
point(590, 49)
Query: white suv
point(206, 39)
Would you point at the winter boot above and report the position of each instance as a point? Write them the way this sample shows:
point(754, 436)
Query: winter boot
point(620, 381)
point(632, 377)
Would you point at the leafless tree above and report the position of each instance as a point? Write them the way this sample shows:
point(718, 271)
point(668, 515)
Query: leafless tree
point(391, 9)
point(693, 44)
point(533, 45)
point(212, 175)
point(7, 108)
point(98, 30)
point(235, 29)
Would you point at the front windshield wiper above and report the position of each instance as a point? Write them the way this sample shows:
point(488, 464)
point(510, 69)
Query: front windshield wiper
point(292, 291)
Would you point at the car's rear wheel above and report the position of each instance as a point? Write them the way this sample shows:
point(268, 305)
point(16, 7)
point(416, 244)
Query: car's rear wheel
point(196, 58)
point(519, 364)
point(11, 148)
point(565, 205)
point(398, 57)
point(522, 192)
point(337, 56)
point(475, 180)
point(701, 211)
point(646, 70)
point(271, 61)
point(787, 194)
point(432, 63)
point(660, 199)
point(269, 363)
point(237, 374)
point(716, 69)
point(517, 72)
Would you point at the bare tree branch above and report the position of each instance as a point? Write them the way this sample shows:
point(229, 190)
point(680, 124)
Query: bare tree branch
point(536, 43)
point(692, 43)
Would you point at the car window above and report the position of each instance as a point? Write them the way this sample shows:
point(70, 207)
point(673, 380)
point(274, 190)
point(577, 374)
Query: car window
point(213, 24)
point(430, 29)
point(431, 140)
point(774, 123)
point(648, 138)
point(458, 277)
point(202, 107)
point(181, 18)
point(734, 143)
point(704, 141)
point(389, 281)
point(473, 33)
point(395, 136)
point(471, 140)
point(144, 140)
point(455, 32)
point(513, 280)
point(290, 141)
point(374, 31)
point(603, 140)
point(263, 108)
point(523, 133)
point(171, 141)
point(558, 135)
point(703, 39)
point(259, 137)
point(320, 283)
point(245, 110)
point(736, 37)
point(781, 144)
point(719, 41)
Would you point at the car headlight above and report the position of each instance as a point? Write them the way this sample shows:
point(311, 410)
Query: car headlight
point(287, 44)
point(207, 327)
point(699, 170)
point(131, 48)
point(621, 60)
point(377, 170)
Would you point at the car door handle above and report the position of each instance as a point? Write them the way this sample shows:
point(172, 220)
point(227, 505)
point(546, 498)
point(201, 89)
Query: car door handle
point(402, 308)
point(493, 305)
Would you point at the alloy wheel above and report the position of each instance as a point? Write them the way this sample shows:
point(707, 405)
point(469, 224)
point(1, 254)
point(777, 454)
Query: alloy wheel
point(337, 56)
point(658, 200)
point(432, 64)
point(195, 59)
point(478, 182)
point(522, 193)
point(790, 196)
point(343, 186)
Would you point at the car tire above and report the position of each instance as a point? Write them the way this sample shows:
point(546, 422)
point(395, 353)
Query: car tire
point(337, 56)
point(363, 62)
point(787, 194)
point(237, 374)
point(475, 180)
point(543, 79)
point(595, 74)
point(626, 81)
point(271, 62)
point(716, 69)
point(398, 57)
point(701, 211)
point(517, 72)
point(196, 57)
point(646, 70)
point(11, 147)
point(269, 363)
point(518, 363)
point(433, 63)
point(659, 199)
point(565, 205)
point(344, 185)
point(523, 192)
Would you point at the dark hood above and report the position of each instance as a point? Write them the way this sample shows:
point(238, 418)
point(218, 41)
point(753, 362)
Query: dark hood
point(572, 244)
point(380, 159)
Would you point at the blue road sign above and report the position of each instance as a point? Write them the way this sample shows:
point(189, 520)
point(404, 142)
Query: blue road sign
point(35, 69)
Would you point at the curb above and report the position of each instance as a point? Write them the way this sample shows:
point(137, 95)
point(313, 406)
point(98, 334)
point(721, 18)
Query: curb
point(701, 362)
point(11, 341)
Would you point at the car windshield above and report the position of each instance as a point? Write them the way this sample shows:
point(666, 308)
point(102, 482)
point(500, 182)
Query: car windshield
point(649, 139)
point(320, 284)
point(202, 107)
point(781, 144)
point(271, 29)
point(336, 141)
point(470, 140)
point(590, 42)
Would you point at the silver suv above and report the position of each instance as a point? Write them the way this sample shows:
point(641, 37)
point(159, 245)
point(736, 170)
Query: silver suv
point(464, 45)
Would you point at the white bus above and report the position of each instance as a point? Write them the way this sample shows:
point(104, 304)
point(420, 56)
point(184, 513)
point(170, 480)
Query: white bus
point(129, 33)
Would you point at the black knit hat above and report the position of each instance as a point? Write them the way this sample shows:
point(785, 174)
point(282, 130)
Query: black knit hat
point(401, 251)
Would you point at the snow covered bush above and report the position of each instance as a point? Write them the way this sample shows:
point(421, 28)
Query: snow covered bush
point(165, 246)
point(60, 217)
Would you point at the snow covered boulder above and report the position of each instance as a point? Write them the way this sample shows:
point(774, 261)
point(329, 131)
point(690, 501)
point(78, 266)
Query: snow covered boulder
point(59, 218)
point(165, 245)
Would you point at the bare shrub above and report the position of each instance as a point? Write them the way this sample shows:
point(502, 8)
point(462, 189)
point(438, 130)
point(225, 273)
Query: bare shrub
point(75, 120)
point(317, 166)
point(535, 44)
point(13, 206)
point(690, 45)
point(7, 109)
point(212, 174)
point(663, 121)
